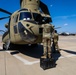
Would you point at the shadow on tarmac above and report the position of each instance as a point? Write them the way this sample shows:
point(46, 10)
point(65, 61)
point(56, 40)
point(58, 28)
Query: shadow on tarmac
point(35, 52)
point(69, 51)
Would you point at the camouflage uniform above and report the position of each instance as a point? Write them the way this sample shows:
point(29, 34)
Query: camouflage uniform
point(47, 32)
point(55, 41)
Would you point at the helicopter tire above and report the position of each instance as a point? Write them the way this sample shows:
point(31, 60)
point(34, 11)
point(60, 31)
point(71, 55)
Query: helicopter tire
point(12, 46)
point(4, 47)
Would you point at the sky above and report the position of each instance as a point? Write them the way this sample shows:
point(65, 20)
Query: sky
point(63, 13)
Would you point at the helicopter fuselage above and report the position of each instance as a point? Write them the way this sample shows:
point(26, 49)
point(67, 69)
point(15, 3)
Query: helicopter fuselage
point(23, 29)
point(25, 25)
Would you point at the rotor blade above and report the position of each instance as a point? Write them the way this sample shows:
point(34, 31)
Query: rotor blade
point(2, 10)
point(4, 18)
point(2, 31)
point(44, 8)
point(57, 27)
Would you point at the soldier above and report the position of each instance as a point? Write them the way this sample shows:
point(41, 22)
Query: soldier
point(47, 32)
point(55, 42)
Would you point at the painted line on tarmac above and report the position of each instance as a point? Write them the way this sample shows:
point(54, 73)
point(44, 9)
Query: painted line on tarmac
point(1, 47)
point(67, 56)
point(26, 62)
point(70, 55)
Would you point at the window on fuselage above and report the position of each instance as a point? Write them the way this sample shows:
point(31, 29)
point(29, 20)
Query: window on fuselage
point(15, 29)
point(37, 17)
point(46, 20)
point(25, 16)
point(16, 18)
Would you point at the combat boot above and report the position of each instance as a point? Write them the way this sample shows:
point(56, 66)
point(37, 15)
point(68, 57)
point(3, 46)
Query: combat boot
point(44, 56)
point(58, 51)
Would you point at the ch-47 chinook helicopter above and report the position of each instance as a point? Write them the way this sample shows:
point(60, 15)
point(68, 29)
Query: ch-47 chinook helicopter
point(24, 26)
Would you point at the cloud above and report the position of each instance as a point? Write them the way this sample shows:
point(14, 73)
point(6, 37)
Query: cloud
point(65, 17)
point(65, 24)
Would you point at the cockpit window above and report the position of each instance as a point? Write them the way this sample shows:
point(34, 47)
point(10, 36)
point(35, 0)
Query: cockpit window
point(25, 16)
point(46, 19)
point(37, 17)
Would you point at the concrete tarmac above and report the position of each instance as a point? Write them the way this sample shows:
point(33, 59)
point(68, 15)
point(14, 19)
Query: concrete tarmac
point(26, 60)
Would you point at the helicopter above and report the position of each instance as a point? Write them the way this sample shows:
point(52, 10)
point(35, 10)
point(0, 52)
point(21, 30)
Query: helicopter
point(25, 24)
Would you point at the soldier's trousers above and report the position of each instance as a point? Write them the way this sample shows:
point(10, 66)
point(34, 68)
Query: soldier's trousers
point(56, 46)
point(47, 47)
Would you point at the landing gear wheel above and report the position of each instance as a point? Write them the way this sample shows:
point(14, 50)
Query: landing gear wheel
point(11, 46)
point(4, 47)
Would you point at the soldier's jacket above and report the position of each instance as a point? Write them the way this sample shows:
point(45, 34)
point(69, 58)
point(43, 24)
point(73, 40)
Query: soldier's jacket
point(47, 30)
point(56, 38)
